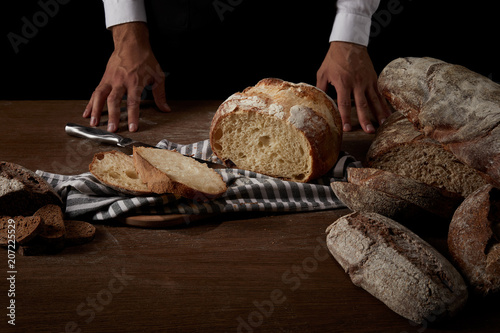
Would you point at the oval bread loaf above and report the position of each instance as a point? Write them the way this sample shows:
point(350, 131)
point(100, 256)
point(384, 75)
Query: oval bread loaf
point(450, 104)
point(474, 239)
point(281, 129)
point(398, 147)
point(396, 266)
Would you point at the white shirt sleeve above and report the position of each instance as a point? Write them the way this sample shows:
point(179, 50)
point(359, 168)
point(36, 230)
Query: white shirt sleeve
point(353, 20)
point(123, 11)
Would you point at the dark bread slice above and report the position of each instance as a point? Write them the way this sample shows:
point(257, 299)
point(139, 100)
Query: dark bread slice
point(22, 192)
point(53, 231)
point(78, 232)
point(26, 228)
point(396, 266)
point(474, 240)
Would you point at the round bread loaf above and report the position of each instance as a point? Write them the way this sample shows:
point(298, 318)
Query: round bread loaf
point(474, 239)
point(281, 129)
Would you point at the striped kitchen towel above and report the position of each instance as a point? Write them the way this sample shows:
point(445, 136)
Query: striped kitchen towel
point(86, 198)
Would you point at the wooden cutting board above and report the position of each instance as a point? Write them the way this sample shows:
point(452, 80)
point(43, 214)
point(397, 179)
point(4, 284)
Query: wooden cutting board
point(164, 221)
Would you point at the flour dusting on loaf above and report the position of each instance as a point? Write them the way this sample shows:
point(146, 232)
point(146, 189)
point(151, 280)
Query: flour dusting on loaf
point(282, 129)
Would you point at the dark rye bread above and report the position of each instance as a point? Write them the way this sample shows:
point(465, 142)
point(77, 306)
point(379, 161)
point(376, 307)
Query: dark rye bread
point(398, 147)
point(451, 104)
point(22, 192)
point(396, 266)
point(397, 197)
point(53, 231)
point(78, 232)
point(474, 240)
point(26, 228)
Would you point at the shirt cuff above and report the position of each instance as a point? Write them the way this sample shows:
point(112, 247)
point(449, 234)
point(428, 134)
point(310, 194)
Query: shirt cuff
point(353, 28)
point(123, 11)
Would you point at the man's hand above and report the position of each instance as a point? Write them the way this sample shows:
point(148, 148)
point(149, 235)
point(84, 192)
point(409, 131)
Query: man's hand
point(349, 69)
point(130, 68)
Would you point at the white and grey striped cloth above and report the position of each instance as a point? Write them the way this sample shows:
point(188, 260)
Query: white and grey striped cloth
point(86, 198)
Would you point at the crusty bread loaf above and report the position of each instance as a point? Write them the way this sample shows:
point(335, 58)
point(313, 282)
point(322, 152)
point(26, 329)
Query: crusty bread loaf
point(26, 228)
point(22, 191)
point(398, 147)
point(396, 266)
point(166, 171)
point(474, 239)
point(397, 197)
point(116, 170)
point(450, 104)
point(286, 130)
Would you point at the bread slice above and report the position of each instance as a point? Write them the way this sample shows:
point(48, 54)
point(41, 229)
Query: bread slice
point(78, 232)
point(167, 171)
point(26, 228)
point(398, 147)
point(278, 128)
point(116, 170)
point(53, 231)
point(396, 266)
point(22, 191)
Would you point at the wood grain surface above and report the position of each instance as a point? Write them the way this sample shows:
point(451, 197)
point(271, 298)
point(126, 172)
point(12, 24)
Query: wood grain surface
point(258, 272)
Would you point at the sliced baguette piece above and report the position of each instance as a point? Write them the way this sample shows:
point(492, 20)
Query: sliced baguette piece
point(116, 170)
point(396, 266)
point(167, 171)
point(78, 232)
point(26, 228)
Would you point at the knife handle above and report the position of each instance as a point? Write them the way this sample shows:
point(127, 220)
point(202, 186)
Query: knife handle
point(93, 134)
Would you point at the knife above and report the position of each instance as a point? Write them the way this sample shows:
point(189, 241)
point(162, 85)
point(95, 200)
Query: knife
point(102, 136)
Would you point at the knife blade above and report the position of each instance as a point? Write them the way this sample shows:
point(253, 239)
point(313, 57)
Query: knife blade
point(102, 136)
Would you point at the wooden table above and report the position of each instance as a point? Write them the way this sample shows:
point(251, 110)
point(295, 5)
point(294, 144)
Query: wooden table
point(235, 273)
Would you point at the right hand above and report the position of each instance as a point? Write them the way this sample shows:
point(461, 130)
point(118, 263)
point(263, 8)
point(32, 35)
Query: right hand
point(130, 68)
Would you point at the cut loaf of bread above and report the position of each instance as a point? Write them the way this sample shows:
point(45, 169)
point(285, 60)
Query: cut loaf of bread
point(396, 266)
point(116, 170)
point(281, 129)
point(26, 228)
point(450, 104)
point(400, 198)
point(398, 147)
point(22, 192)
point(166, 171)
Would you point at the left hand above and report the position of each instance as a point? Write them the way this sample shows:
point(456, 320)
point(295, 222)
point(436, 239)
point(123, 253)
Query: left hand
point(349, 69)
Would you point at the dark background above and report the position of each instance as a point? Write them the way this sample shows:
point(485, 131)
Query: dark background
point(209, 58)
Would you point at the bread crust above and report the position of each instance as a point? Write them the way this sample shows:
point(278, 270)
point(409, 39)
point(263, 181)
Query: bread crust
point(474, 240)
point(158, 181)
point(307, 109)
point(451, 104)
point(396, 266)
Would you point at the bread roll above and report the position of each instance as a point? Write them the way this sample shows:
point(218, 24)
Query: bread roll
point(281, 129)
point(474, 239)
point(396, 266)
point(450, 104)
point(166, 171)
point(398, 147)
